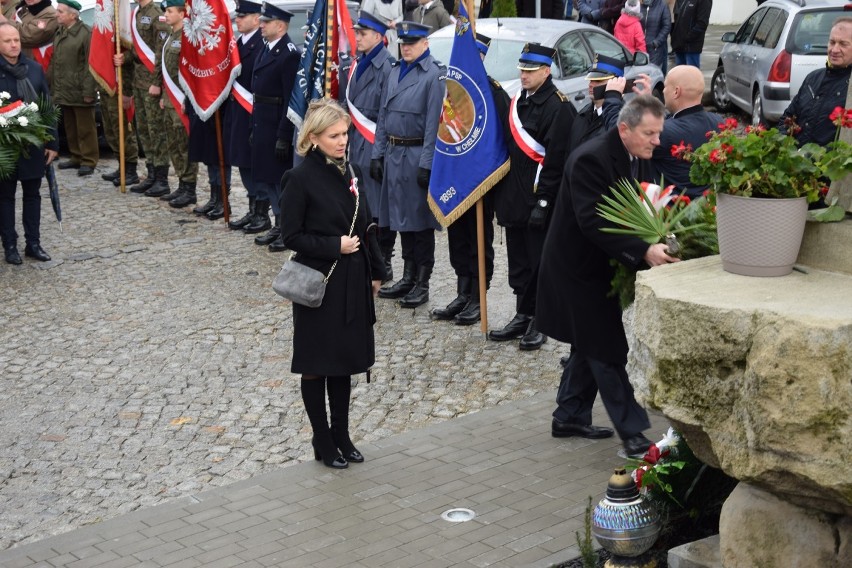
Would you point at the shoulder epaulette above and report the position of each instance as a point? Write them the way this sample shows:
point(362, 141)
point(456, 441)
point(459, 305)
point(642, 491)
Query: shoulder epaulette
point(494, 82)
point(561, 96)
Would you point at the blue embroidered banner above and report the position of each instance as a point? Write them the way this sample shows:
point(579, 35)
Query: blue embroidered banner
point(310, 77)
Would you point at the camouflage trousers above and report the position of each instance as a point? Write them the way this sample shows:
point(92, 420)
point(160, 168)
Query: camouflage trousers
point(109, 114)
point(177, 146)
point(151, 124)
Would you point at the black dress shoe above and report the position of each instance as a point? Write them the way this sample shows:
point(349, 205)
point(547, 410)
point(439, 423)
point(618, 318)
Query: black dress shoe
point(470, 314)
point(12, 256)
point(453, 309)
point(559, 429)
point(85, 171)
point(513, 330)
point(36, 252)
point(532, 339)
point(636, 446)
point(268, 238)
point(67, 165)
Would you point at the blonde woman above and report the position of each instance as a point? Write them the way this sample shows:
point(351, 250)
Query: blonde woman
point(334, 341)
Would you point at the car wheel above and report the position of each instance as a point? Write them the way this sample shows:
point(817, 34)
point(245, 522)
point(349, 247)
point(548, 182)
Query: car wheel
point(757, 109)
point(719, 90)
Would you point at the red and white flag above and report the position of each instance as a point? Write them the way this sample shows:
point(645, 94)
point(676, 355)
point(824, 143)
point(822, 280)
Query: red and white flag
point(102, 47)
point(209, 59)
point(342, 41)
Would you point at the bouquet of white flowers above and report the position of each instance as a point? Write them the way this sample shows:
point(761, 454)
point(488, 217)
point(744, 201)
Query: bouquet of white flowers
point(22, 125)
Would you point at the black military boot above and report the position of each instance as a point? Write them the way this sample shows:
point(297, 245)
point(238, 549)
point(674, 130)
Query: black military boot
point(238, 224)
point(219, 210)
point(186, 198)
point(112, 176)
point(260, 221)
point(271, 236)
point(211, 203)
point(457, 305)
point(131, 175)
point(278, 244)
point(513, 330)
point(161, 182)
point(181, 188)
point(418, 295)
point(404, 285)
point(387, 255)
point(532, 339)
point(146, 183)
point(470, 314)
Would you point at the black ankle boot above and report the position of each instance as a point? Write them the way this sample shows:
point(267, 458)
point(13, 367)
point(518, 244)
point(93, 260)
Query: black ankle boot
point(131, 175)
point(418, 295)
point(513, 330)
point(161, 182)
point(237, 224)
point(403, 286)
point(471, 313)
point(146, 183)
point(532, 339)
point(112, 176)
point(221, 205)
point(211, 203)
point(186, 198)
point(278, 244)
point(339, 392)
point(313, 395)
point(270, 237)
point(387, 255)
point(261, 221)
point(457, 305)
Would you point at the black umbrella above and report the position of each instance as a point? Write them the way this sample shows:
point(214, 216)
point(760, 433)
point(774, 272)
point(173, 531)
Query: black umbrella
point(50, 174)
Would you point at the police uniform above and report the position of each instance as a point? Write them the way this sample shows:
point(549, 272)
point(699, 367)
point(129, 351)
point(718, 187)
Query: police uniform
point(525, 197)
point(238, 123)
point(405, 143)
point(271, 131)
point(361, 94)
point(462, 239)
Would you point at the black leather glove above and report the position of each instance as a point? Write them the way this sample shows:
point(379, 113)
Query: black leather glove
point(423, 176)
point(538, 216)
point(377, 169)
point(282, 149)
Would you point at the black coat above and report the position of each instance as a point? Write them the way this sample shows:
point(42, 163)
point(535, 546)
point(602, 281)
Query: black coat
point(573, 302)
point(691, 18)
point(272, 78)
point(238, 123)
point(317, 207)
point(821, 92)
point(31, 167)
point(203, 145)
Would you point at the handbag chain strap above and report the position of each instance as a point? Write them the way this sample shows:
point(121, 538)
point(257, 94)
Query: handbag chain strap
point(351, 227)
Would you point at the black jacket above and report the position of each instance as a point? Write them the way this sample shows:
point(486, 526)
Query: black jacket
point(821, 92)
point(691, 18)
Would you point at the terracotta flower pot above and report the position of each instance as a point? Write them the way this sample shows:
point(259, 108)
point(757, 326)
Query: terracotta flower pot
point(760, 237)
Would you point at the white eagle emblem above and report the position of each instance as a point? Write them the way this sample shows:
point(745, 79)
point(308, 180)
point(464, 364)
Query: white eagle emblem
point(198, 27)
point(104, 16)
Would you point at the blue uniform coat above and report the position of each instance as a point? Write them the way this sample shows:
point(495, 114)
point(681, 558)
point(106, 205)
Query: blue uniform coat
point(238, 122)
point(411, 108)
point(366, 94)
point(273, 77)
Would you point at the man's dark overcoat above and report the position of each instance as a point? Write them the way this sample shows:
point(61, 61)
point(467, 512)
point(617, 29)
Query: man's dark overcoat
point(573, 303)
point(238, 122)
point(317, 206)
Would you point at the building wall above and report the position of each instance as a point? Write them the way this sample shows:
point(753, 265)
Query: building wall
point(727, 12)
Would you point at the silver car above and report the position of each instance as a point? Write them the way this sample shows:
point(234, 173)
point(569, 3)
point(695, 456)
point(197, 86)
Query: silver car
point(762, 65)
point(575, 44)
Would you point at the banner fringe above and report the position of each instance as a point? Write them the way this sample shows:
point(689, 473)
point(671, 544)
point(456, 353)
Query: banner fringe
point(477, 194)
point(101, 81)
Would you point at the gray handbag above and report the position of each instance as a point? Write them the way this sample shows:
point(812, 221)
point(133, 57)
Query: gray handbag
point(302, 284)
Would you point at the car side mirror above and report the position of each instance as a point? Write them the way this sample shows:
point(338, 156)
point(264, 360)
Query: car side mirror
point(729, 37)
point(580, 96)
point(640, 58)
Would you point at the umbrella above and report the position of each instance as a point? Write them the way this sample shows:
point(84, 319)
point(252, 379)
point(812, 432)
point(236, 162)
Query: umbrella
point(50, 174)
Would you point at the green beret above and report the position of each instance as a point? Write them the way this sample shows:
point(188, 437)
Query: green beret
point(174, 4)
point(71, 4)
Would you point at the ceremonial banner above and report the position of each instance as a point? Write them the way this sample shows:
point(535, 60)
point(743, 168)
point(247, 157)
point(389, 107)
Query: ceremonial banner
point(102, 46)
point(311, 73)
point(209, 59)
point(342, 41)
point(470, 151)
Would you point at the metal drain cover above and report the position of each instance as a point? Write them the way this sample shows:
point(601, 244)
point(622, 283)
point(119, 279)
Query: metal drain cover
point(458, 515)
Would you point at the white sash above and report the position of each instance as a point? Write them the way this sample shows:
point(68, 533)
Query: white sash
point(145, 53)
point(365, 126)
point(524, 139)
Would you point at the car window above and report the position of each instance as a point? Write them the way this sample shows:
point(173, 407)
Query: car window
point(770, 28)
point(605, 45)
point(572, 57)
point(810, 30)
point(745, 31)
point(501, 63)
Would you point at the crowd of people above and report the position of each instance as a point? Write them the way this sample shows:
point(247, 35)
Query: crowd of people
point(364, 169)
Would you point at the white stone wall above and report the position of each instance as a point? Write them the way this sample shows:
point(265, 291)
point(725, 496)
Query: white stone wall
point(727, 12)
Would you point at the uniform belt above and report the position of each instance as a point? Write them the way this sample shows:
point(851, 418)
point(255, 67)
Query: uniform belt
point(268, 100)
point(398, 141)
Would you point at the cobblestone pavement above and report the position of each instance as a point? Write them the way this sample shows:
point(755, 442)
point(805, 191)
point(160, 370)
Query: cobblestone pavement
point(150, 360)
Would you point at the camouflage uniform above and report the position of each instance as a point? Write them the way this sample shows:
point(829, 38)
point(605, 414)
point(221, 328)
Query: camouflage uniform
point(177, 137)
point(109, 116)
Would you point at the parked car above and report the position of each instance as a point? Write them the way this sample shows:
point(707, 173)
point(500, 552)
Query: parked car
point(576, 45)
point(762, 65)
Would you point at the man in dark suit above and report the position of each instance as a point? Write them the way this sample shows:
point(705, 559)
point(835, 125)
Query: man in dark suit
point(574, 305)
point(271, 131)
point(238, 123)
point(24, 80)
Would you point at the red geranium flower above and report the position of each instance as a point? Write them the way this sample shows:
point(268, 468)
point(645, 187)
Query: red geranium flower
point(680, 150)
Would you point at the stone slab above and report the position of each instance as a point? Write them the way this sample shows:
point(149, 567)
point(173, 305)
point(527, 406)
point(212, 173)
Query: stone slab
point(702, 553)
point(825, 246)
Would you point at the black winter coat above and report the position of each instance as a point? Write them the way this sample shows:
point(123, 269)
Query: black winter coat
point(573, 302)
point(317, 207)
point(821, 91)
point(238, 122)
point(691, 18)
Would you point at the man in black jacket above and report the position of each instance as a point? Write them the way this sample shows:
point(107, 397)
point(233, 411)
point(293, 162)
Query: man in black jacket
point(691, 18)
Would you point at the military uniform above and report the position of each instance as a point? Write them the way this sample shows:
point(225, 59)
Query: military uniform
point(272, 83)
point(405, 141)
point(109, 116)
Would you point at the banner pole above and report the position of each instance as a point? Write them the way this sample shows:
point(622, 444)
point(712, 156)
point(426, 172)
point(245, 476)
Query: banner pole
point(329, 46)
point(119, 99)
point(225, 205)
point(480, 253)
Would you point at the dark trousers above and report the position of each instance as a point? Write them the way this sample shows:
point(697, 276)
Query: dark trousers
point(581, 380)
point(419, 246)
point(30, 216)
point(461, 235)
point(387, 238)
point(245, 177)
point(523, 251)
point(272, 193)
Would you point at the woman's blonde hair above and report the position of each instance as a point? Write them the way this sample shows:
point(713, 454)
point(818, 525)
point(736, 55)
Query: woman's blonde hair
point(321, 114)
